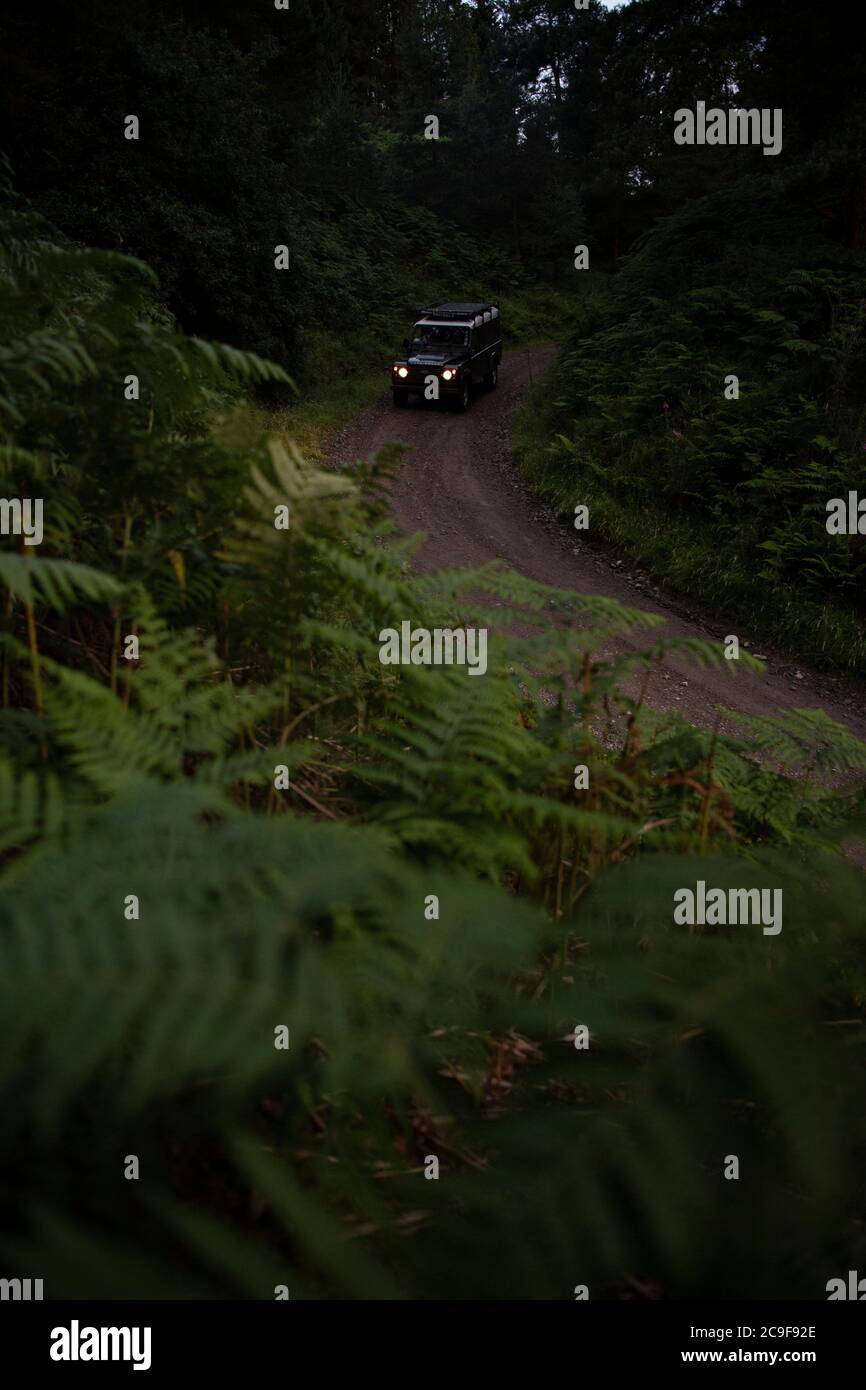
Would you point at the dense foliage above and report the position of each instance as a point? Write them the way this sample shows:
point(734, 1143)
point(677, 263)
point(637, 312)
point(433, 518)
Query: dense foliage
point(722, 485)
point(305, 128)
point(306, 907)
point(242, 821)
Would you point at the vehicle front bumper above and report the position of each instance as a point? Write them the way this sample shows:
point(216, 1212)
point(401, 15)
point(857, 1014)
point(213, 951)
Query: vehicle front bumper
point(417, 381)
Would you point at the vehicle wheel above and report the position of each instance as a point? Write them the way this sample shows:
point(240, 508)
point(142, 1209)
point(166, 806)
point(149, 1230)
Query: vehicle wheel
point(401, 398)
point(464, 398)
point(492, 376)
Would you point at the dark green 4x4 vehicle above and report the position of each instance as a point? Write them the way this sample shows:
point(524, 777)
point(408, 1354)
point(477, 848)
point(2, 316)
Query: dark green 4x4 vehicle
point(453, 347)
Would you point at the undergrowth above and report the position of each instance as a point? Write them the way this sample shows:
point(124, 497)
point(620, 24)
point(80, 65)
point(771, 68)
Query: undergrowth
point(245, 822)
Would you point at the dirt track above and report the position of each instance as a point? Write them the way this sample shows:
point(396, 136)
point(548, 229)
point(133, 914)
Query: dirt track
point(459, 486)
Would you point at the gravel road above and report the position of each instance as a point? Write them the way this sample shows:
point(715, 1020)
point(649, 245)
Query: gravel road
point(460, 487)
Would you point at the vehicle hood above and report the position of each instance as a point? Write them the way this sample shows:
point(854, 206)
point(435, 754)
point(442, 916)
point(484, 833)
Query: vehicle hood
point(432, 358)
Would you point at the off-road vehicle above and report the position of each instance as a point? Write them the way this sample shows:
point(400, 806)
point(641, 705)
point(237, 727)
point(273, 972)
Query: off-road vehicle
point(459, 345)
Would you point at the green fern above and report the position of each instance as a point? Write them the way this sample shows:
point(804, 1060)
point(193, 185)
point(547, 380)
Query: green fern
point(431, 907)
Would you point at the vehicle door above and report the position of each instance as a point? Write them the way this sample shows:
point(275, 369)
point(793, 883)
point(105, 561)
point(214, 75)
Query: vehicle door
point(473, 349)
point(475, 346)
point(485, 338)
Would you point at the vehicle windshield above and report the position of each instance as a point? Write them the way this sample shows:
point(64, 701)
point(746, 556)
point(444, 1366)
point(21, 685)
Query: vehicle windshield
point(439, 335)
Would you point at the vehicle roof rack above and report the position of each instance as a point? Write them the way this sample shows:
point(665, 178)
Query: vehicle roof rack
point(458, 311)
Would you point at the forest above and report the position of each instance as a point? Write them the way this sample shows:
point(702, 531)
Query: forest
point(315, 975)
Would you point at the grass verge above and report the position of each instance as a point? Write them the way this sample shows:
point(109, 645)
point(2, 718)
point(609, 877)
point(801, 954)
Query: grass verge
point(684, 554)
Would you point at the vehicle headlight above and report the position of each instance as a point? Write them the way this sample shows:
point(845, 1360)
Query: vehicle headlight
point(448, 373)
point(402, 371)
